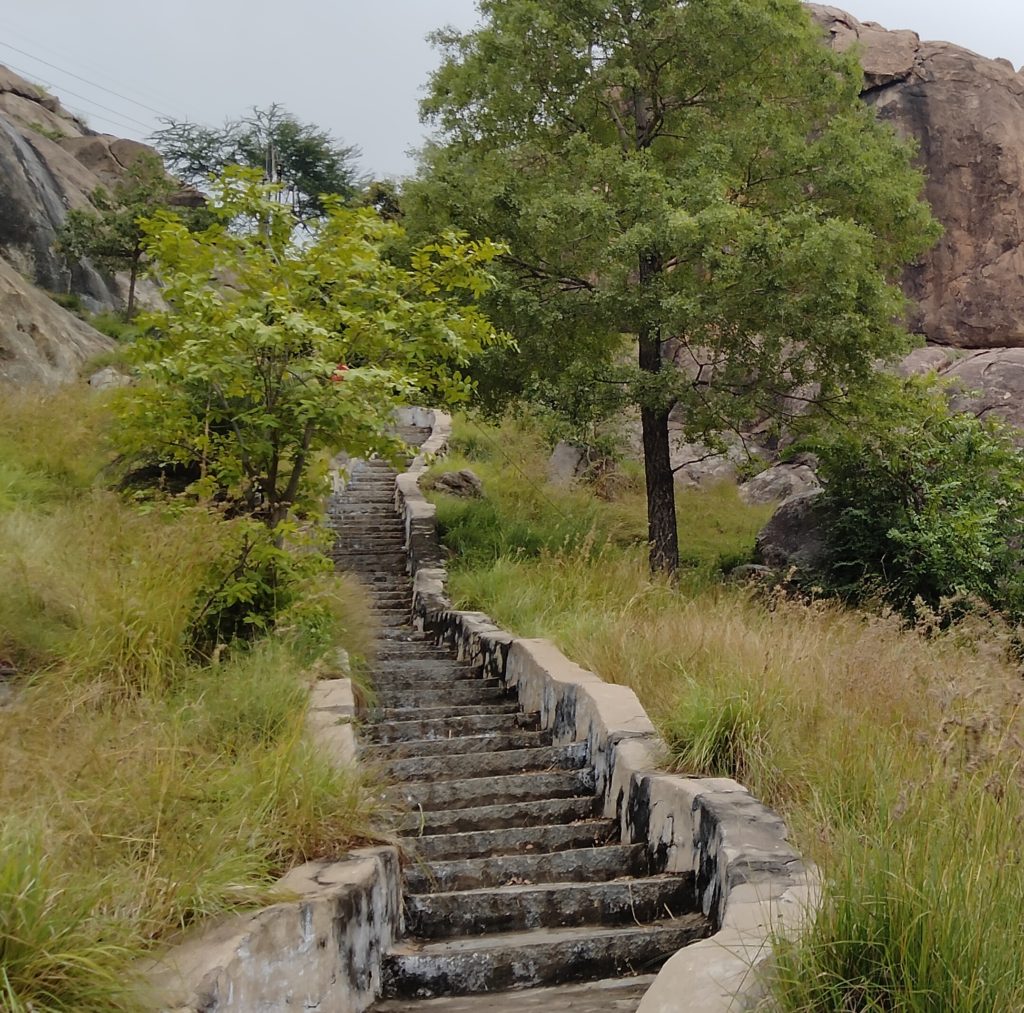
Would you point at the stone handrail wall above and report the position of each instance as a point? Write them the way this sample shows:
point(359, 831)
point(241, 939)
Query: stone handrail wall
point(749, 879)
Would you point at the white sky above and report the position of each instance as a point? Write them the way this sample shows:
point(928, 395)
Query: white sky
point(354, 67)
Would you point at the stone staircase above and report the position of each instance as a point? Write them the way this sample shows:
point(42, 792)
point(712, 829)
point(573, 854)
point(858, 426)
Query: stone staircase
point(513, 879)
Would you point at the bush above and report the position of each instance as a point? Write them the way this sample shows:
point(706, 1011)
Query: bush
point(925, 503)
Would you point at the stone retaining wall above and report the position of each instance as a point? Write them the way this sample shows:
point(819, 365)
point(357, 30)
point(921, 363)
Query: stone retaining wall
point(749, 878)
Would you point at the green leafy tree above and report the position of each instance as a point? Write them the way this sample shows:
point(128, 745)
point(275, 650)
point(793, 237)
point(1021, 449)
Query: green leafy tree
point(273, 352)
point(304, 159)
point(701, 177)
point(110, 233)
point(921, 502)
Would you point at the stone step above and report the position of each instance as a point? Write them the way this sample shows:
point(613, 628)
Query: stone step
point(389, 715)
point(473, 765)
point(426, 684)
point(452, 693)
point(446, 728)
point(471, 792)
point(427, 675)
point(612, 995)
point(483, 742)
point(379, 562)
point(496, 817)
point(574, 865)
point(393, 618)
point(515, 840)
point(537, 957)
point(352, 542)
point(520, 907)
point(416, 648)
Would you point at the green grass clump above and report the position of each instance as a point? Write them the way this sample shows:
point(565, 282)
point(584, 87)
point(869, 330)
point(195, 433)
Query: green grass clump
point(921, 908)
point(891, 751)
point(143, 788)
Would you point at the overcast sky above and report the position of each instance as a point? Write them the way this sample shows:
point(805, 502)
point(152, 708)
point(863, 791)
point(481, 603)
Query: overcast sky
point(355, 67)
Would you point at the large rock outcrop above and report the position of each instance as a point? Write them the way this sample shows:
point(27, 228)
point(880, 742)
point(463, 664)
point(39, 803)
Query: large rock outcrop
point(50, 162)
point(966, 113)
point(40, 343)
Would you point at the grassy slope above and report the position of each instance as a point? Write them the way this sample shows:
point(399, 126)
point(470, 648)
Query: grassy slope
point(893, 756)
point(140, 791)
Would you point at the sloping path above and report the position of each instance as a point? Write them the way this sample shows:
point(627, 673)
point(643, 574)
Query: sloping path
point(513, 879)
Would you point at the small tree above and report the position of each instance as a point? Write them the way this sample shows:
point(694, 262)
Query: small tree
point(110, 232)
point(305, 160)
point(700, 176)
point(272, 351)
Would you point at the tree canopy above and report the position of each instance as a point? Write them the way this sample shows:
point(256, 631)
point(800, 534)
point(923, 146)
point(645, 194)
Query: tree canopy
point(701, 177)
point(272, 351)
point(305, 159)
point(110, 232)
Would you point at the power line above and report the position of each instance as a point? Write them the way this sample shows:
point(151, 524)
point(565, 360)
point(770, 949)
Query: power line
point(134, 86)
point(78, 77)
point(86, 98)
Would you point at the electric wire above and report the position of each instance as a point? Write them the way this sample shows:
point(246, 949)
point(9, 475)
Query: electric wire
point(85, 80)
point(66, 58)
point(91, 101)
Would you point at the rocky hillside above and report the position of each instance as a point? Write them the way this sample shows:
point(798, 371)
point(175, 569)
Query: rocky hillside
point(49, 162)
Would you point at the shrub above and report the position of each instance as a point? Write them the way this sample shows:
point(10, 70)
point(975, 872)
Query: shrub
point(925, 503)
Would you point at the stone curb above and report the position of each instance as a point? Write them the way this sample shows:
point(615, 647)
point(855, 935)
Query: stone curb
point(321, 950)
point(749, 879)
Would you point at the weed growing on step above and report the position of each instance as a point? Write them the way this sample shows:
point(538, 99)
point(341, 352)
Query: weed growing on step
point(143, 788)
point(892, 755)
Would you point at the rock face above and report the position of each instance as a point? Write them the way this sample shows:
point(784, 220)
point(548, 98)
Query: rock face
point(40, 343)
point(794, 537)
point(50, 162)
point(780, 483)
point(991, 383)
point(966, 113)
point(463, 483)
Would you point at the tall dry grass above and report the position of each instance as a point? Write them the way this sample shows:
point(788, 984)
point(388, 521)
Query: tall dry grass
point(142, 789)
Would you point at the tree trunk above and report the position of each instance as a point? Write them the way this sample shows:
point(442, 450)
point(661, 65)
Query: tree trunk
point(661, 490)
point(133, 275)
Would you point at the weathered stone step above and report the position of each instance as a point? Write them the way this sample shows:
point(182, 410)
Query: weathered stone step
point(520, 907)
point(472, 765)
point(515, 840)
point(537, 957)
point(440, 697)
point(411, 652)
point(427, 675)
point(453, 693)
point(390, 598)
point(576, 865)
point(472, 792)
point(428, 683)
point(389, 715)
point(393, 618)
point(352, 542)
point(483, 742)
point(496, 817)
point(613, 995)
point(377, 562)
point(446, 728)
